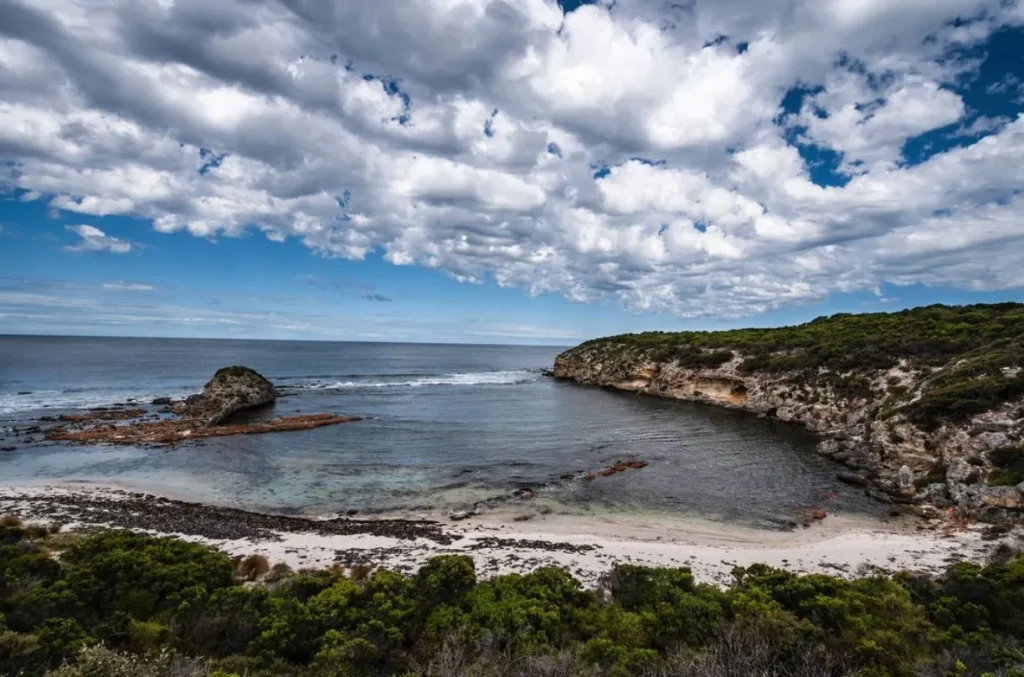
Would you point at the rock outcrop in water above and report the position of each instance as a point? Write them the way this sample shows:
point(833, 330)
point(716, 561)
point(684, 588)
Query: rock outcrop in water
point(926, 405)
point(231, 390)
point(185, 430)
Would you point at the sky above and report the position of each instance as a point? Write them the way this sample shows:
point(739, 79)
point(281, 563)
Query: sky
point(503, 171)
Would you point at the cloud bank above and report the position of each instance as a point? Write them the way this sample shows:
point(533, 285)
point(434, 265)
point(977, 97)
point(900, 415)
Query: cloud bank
point(698, 158)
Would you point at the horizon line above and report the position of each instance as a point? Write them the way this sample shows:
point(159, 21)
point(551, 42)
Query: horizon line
point(287, 340)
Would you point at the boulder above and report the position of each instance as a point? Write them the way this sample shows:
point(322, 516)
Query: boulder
point(856, 479)
point(967, 496)
point(995, 440)
point(937, 494)
point(231, 390)
point(905, 481)
point(829, 447)
point(959, 470)
point(1002, 497)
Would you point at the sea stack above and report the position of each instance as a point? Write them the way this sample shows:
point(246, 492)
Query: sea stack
point(231, 390)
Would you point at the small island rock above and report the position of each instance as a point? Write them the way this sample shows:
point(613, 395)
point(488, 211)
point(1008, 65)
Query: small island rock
point(231, 390)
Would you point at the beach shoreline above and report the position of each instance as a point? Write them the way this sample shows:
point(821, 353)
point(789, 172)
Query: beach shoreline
point(587, 546)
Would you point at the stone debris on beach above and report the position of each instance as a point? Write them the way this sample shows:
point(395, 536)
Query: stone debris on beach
point(132, 510)
point(181, 430)
point(524, 544)
point(404, 545)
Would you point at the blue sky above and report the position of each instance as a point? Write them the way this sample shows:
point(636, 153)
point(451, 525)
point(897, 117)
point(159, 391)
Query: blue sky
point(582, 169)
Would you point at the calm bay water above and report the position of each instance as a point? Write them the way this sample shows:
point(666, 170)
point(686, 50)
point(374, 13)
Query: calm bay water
point(447, 425)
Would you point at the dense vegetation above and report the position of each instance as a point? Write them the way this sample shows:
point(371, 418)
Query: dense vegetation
point(972, 354)
point(119, 604)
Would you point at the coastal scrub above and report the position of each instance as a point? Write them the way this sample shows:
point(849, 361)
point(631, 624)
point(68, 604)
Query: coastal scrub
point(120, 603)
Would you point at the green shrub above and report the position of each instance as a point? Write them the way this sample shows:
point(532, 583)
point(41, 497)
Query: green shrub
point(138, 575)
point(443, 621)
point(1009, 465)
point(20, 653)
point(445, 579)
point(961, 401)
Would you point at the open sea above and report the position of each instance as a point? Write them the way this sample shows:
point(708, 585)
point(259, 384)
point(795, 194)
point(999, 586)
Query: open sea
point(447, 427)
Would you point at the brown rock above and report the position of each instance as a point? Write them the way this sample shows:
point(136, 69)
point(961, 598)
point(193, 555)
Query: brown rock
point(231, 390)
point(1002, 497)
point(117, 415)
point(170, 432)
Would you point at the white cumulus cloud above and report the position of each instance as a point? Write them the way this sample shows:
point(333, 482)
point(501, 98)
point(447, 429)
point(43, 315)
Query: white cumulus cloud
point(634, 150)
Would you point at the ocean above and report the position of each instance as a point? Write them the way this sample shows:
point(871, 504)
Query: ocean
point(446, 427)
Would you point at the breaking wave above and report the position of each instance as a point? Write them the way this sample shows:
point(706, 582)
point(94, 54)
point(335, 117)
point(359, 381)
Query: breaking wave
point(60, 400)
point(512, 377)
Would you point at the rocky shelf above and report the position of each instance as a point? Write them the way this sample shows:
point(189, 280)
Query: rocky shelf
point(181, 430)
point(230, 391)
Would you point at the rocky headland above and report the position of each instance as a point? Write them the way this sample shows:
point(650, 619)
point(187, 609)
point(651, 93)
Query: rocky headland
point(925, 406)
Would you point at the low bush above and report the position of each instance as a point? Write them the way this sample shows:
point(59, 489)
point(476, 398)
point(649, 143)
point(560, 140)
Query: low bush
point(1009, 465)
point(127, 604)
point(252, 567)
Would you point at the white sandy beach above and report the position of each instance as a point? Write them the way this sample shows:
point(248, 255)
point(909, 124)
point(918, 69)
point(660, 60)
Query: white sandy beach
point(590, 546)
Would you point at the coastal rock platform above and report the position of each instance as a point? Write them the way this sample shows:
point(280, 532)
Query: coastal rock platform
point(182, 430)
point(232, 390)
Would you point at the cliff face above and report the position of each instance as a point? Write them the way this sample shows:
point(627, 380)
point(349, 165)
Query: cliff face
point(897, 426)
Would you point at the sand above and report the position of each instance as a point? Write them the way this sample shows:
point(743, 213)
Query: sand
point(587, 546)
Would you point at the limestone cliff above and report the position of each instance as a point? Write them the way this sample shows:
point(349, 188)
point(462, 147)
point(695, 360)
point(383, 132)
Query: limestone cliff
point(922, 412)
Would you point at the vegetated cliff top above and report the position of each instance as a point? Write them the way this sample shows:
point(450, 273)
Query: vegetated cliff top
point(972, 355)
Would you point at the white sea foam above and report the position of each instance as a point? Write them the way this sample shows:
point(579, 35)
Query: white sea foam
point(59, 400)
point(511, 377)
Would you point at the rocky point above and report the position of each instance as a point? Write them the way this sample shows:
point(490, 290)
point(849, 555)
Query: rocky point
point(932, 415)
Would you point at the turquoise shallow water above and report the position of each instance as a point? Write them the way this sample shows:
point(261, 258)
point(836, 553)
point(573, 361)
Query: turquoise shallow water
point(446, 426)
